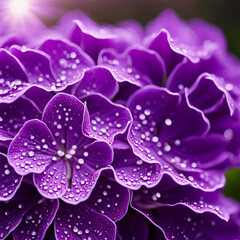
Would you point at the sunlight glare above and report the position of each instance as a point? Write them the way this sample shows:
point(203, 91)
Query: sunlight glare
point(19, 8)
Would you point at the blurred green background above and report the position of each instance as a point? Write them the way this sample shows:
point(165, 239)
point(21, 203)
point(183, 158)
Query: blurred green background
point(223, 13)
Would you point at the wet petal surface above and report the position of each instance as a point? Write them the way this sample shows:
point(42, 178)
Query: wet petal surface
point(9, 180)
point(109, 198)
point(105, 119)
point(13, 79)
point(97, 80)
point(32, 149)
point(138, 66)
point(84, 223)
point(52, 182)
point(36, 222)
point(132, 172)
point(85, 170)
point(12, 117)
point(68, 61)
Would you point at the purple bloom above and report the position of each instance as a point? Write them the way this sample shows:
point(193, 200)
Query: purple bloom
point(106, 134)
point(66, 162)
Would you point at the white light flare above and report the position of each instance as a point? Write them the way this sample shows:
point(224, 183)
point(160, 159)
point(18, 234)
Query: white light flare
point(19, 8)
point(26, 17)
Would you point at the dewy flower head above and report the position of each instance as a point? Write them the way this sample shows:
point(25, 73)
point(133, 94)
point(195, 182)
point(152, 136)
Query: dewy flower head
point(106, 134)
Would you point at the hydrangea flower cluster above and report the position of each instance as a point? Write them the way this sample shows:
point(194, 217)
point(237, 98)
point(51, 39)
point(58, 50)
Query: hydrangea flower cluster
point(118, 132)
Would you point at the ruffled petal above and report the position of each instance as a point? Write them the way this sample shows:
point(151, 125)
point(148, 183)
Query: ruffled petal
point(159, 120)
point(84, 223)
point(131, 172)
point(92, 38)
point(14, 116)
point(13, 79)
point(169, 193)
point(193, 225)
point(137, 65)
point(37, 65)
point(52, 182)
point(104, 119)
point(10, 181)
point(86, 169)
point(32, 149)
point(68, 61)
point(64, 116)
point(97, 80)
point(208, 93)
point(36, 222)
point(109, 198)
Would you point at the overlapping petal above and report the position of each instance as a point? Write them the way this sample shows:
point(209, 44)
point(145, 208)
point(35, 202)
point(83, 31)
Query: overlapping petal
point(32, 149)
point(66, 163)
point(109, 198)
point(13, 78)
point(15, 115)
point(161, 122)
point(193, 225)
point(104, 119)
point(27, 214)
point(97, 80)
point(169, 193)
point(137, 65)
point(10, 180)
point(68, 62)
point(36, 221)
point(131, 172)
point(84, 223)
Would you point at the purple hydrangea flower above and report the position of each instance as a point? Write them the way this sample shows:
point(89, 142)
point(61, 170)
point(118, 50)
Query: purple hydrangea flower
point(106, 134)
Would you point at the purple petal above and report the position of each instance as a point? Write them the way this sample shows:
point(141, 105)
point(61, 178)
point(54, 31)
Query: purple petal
point(64, 115)
point(136, 65)
point(93, 38)
point(10, 40)
point(160, 123)
point(174, 48)
point(205, 31)
point(11, 215)
point(109, 199)
point(13, 211)
point(105, 119)
point(35, 93)
point(169, 193)
point(206, 180)
point(169, 20)
point(131, 172)
point(163, 46)
point(208, 93)
point(14, 116)
point(32, 148)
point(68, 61)
point(193, 225)
point(84, 223)
point(201, 152)
point(10, 181)
point(160, 120)
point(13, 78)
point(52, 182)
point(36, 222)
point(38, 67)
point(97, 80)
point(86, 169)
